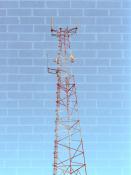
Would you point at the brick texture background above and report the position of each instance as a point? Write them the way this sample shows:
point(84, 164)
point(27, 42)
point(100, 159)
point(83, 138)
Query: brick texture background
point(27, 92)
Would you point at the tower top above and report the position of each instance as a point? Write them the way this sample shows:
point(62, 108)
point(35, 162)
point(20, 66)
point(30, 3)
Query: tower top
point(63, 35)
point(62, 31)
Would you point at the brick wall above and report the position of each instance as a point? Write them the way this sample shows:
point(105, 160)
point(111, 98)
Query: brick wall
point(27, 92)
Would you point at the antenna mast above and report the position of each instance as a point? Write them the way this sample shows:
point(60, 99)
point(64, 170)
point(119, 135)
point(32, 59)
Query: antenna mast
point(69, 157)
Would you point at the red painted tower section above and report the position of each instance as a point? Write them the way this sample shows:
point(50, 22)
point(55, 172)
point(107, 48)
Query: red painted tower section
point(69, 157)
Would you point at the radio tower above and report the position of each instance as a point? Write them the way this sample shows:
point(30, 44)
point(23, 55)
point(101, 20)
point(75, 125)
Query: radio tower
point(69, 158)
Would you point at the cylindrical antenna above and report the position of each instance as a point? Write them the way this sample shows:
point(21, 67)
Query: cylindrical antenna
point(52, 23)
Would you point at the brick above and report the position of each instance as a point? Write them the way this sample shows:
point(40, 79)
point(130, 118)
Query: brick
point(58, 20)
point(121, 112)
point(41, 95)
point(70, 12)
point(83, 4)
point(46, 45)
point(96, 12)
point(108, 20)
point(8, 53)
point(20, 28)
point(8, 121)
point(124, 79)
point(8, 70)
point(45, 12)
point(21, 112)
point(120, 29)
point(2, 28)
point(8, 171)
point(97, 29)
point(85, 37)
point(120, 12)
point(109, 37)
point(38, 78)
point(19, 62)
point(8, 37)
point(30, 103)
point(19, 129)
point(109, 87)
point(27, 171)
point(77, 45)
point(32, 87)
point(84, 53)
point(126, 87)
point(120, 62)
point(19, 12)
point(41, 28)
point(101, 112)
point(8, 4)
point(97, 45)
point(109, 104)
point(126, 20)
point(40, 113)
point(9, 87)
point(31, 70)
point(126, 4)
point(3, 62)
point(32, 37)
point(3, 95)
point(3, 78)
point(110, 70)
point(108, 4)
point(127, 53)
point(32, 4)
point(122, 95)
point(18, 163)
point(31, 120)
point(98, 95)
point(19, 95)
point(58, 4)
point(120, 45)
point(8, 104)
point(3, 45)
point(40, 62)
point(97, 62)
point(109, 53)
point(9, 20)
point(31, 53)
point(126, 103)
point(8, 154)
point(90, 70)
point(82, 20)
point(2, 12)
point(19, 45)
point(32, 20)
point(98, 79)
point(127, 70)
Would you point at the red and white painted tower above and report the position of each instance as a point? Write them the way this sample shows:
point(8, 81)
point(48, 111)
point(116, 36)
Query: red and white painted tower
point(69, 157)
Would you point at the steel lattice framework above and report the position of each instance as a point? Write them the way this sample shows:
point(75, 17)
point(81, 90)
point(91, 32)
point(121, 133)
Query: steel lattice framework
point(69, 158)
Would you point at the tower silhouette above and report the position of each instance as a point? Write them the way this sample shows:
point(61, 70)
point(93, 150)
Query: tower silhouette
point(69, 157)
